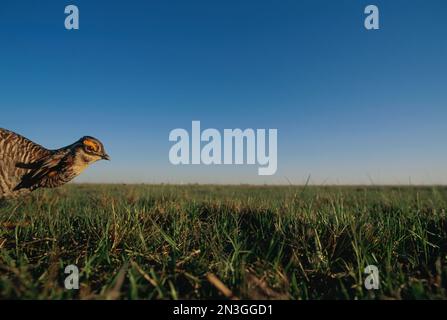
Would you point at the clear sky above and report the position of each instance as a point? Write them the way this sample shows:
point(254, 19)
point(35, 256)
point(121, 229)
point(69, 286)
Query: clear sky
point(350, 105)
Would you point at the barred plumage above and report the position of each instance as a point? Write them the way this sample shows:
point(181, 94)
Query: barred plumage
point(26, 166)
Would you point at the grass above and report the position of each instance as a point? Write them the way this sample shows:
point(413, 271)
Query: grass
point(199, 242)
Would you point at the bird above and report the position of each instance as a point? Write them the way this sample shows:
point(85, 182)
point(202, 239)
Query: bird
point(26, 166)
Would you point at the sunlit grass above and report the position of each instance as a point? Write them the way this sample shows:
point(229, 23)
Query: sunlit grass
point(163, 242)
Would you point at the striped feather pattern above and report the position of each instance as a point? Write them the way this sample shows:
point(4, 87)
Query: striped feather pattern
point(26, 166)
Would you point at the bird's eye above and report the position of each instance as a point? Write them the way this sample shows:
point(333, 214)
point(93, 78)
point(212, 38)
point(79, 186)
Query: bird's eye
point(90, 146)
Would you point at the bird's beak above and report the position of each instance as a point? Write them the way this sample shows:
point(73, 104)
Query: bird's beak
point(106, 157)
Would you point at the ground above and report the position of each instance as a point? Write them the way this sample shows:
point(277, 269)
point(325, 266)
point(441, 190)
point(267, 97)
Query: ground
point(198, 242)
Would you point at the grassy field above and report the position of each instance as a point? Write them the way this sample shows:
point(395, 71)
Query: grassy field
point(198, 242)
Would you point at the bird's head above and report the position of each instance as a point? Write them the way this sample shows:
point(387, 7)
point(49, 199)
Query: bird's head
point(90, 150)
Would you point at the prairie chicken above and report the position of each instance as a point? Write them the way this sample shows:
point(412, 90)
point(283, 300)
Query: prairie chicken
point(26, 166)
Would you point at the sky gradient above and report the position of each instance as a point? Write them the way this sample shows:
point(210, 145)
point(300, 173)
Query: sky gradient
point(351, 106)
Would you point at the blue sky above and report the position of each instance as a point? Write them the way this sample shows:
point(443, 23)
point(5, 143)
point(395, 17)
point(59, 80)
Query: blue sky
point(351, 106)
